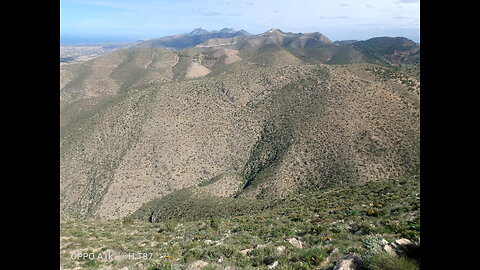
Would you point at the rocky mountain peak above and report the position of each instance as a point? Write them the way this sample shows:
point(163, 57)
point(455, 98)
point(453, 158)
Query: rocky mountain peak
point(274, 32)
point(198, 31)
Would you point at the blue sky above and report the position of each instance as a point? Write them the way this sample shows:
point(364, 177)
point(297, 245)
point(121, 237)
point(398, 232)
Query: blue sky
point(130, 20)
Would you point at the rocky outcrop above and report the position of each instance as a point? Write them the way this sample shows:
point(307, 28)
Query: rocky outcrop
point(348, 262)
point(401, 247)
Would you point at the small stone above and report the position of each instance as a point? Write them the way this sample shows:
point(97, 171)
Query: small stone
point(273, 265)
point(261, 246)
point(296, 243)
point(280, 249)
point(208, 241)
point(245, 251)
point(337, 221)
point(384, 242)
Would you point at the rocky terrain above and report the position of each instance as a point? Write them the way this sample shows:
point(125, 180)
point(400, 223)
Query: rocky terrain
point(369, 226)
point(232, 128)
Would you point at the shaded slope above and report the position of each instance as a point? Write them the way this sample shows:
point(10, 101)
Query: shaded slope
point(342, 129)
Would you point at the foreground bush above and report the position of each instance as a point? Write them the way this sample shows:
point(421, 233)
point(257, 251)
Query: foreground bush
point(383, 261)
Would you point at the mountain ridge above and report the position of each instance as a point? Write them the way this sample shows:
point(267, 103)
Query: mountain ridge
point(192, 38)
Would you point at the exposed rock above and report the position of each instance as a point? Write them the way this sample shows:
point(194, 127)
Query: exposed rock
point(348, 262)
point(390, 250)
point(197, 265)
point(359, 232)
point(296, 243)
point(405, 247)
point(245, 251)
point(280, 249)
point(403, 242)
point(273, 265)
point(400, 247)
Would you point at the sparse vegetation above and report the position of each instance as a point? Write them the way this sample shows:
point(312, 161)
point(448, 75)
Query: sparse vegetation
point(272, 160)
point(321, 221)
point(384, 261)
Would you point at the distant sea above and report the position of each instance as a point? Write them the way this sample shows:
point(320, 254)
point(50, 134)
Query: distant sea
point(65, 40)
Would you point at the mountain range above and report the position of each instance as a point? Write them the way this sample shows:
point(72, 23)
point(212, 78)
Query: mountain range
point(195, 37)
point(235, 115)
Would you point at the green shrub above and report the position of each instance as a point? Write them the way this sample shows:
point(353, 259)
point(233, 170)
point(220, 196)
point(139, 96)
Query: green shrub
point(314, 256)
point(262, 256)
point(193, 254)
point(383, 261)
point(170, 225)
point(215, 224)
point(128, 220)
point(371, 243)
point(308, 257)
point(316, 229)
point(90, 263)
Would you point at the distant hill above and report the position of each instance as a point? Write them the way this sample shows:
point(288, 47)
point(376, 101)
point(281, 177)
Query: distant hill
point(315, 48)
point(388, 50)
point(312, 48)
point(345, 42)
point(193, 38)
point(272, 36)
